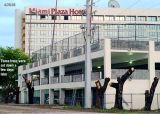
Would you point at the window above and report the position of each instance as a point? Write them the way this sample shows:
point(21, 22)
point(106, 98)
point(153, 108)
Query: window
point(34, 17)
point(66, 17)
point(98, 18)
point(54, 17)
point(42, 17)
point(141, 18)
point(109, 18)
point(152, 18)
point(130, 18)
point(119, 18)
point(158, 19)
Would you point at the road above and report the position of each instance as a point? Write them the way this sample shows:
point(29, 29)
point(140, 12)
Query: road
point(19, 109)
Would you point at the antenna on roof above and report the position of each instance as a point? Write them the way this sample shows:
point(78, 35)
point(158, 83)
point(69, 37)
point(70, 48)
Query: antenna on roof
point(113, 4)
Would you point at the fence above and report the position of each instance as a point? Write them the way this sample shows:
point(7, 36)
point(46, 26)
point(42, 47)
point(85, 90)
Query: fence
point(134, 45)
point(133, 101)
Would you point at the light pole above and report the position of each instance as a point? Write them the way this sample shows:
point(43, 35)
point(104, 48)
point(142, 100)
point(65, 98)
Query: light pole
point(88, 56)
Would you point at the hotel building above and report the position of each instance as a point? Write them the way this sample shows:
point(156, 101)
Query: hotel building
point(121, 38)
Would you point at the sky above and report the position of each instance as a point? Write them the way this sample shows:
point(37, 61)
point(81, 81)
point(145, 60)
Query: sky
point(7, 14)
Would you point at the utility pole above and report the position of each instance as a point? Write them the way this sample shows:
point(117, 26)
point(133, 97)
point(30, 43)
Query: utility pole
point(88, 93)
point(29, 39)
point(54, 24)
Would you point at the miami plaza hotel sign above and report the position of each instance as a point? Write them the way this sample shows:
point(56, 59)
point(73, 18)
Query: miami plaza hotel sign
point(54, 11)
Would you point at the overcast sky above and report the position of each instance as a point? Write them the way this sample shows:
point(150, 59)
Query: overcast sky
point(7, 27)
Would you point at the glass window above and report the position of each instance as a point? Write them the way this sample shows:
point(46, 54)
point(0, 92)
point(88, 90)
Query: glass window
point(66, 17)
point(151, 18)
point(42, 17)
point(141, 18)
point(34, 17)
point(109, 18)
point(98, 18)
point(119, 18)
point(158, 18)
point(130, 18)
point(54, 17)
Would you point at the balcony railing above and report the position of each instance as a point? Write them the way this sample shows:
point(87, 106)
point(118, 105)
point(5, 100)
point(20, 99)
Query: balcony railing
point(36, 82)
point(54, 80)
point(45, 61)
point(157, 46)
point(36, 64)
point(97, 45)
point(30, 65)
point(80, 77)
point(55, 57)
point(77, 51)
point(129, 45)
point(66, 55)
point(66, 79)
point(136, 75)
point(24, 67)
point(77, 78)
point(44, 81)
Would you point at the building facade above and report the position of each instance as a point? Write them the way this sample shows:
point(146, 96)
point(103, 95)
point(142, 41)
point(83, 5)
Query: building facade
point(34, 25)
point(120, 39)
point(60, 78)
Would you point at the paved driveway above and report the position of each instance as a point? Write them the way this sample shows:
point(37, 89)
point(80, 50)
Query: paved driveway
point(14, 109)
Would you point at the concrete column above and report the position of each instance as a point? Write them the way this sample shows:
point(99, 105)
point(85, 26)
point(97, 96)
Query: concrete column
point(20, 80)
point(22, 97)
point(51, 96)
point(151, 62)
point(107, 63)
point(41, 75)
point(61, 96)
point(29, 77)
point(41, 96)
point(61, 72)
point(51, 74)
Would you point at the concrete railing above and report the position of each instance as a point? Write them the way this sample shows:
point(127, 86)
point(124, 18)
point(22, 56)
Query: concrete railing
point(44, 81)
point(77, 78)
point(65, 55)
point(30, 65)
point(77, 51)
point(54, 80)
point(80, 77)
point(36, 64)
point(24, 67)
point(55, 57)
point(95, 76)
point(45, 61)
point(36, 82)
point(97, 45)
point(136, 75)
point(66, 79)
